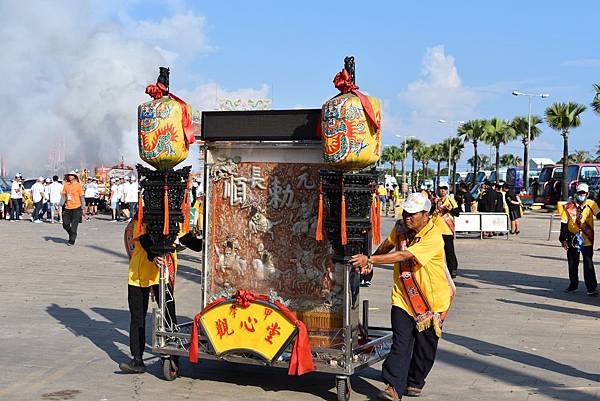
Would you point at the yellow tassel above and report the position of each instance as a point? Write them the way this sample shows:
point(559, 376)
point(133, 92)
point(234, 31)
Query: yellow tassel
point(166, 210)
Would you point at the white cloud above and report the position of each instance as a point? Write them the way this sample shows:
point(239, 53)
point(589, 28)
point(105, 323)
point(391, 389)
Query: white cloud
point(80, 75)
point(438, 94)
point(178, 35)
point(583, 62)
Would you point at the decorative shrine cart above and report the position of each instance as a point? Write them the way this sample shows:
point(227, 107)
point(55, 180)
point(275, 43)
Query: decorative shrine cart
point(271, 293)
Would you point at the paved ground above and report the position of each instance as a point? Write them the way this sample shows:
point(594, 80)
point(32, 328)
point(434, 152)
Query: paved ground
point(512, 333)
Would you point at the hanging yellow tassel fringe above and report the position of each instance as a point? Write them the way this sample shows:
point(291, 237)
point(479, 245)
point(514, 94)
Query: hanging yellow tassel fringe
point(166, 210)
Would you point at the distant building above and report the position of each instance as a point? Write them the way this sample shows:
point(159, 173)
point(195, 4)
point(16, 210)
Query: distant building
point(539, 162)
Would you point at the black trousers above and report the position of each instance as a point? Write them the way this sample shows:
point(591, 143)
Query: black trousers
point(138, 298)
point(37, 210)
point(589, 274)
point(451, 260)
point(71, 219)
point(412, 355)
point(15, 209)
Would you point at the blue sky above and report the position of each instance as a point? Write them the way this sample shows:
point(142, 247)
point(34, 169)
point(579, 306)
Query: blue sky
point(425, 60)
point(296, 48)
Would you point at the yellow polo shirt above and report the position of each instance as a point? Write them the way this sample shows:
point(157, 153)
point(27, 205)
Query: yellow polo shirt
point(143, 272)
point(429, 270)
point(589, 210)
point(439, 221)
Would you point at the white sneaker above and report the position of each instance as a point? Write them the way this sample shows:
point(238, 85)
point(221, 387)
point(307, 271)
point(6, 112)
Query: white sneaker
point(37, 221)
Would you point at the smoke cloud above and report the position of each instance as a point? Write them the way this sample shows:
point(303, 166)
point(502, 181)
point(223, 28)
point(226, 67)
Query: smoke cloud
point(69, 76)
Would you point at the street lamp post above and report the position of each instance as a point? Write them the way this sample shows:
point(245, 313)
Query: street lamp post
point(404, 159)
point(526, 151)
point(450, 172)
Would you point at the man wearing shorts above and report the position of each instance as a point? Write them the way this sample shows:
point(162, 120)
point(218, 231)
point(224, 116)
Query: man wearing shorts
point(114, 199)
point(91, 197)
point(56, 189)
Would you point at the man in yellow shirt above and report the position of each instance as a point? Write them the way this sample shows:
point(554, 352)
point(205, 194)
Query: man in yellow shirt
point(421, 296)
point(577, 236)
point(444, 212)
point(382, 193)
point(144, 276)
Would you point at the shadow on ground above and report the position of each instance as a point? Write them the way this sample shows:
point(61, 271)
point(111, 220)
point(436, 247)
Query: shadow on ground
point(56, 240)
point(514, 376)
point(107, 335)
point(554, 308)
point(542, 286)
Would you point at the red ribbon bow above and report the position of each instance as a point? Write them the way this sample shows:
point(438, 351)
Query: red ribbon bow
point(343, 82)
point(157, 91)
point(243, 298)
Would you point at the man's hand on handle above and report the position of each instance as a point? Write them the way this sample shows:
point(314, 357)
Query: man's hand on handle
point(361, 263)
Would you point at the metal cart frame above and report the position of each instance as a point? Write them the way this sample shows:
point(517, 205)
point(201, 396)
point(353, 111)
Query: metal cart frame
point(343, 362)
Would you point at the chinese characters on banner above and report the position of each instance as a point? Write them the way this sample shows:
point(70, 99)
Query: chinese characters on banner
point(260, 328)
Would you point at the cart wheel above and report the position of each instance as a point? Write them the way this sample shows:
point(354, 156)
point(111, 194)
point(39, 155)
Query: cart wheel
point(170, 369)
point(343, 388)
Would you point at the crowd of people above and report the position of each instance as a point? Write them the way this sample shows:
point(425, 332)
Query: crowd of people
point(119, 197)
point(46, 195)
point(421, 247)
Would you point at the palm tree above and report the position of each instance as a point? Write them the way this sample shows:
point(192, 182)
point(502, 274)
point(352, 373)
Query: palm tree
point(581, 156)
point(472, 131)
point(412, 144)
point(438, 155)
point(483, 161)
point(561, 117)
point(498, 132)
point(596, 102)
point(392, 155)
point(455, 149)
point(508, 160)
point(521, 127)
point(596, 107)
point(423, 155)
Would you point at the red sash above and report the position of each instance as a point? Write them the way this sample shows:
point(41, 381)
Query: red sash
point(445, 214)
point(424, 316)
point(575, 212)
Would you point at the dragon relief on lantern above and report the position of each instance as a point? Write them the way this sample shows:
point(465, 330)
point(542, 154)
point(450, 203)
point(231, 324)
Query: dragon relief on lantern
point(344, 124)
point(154, 141)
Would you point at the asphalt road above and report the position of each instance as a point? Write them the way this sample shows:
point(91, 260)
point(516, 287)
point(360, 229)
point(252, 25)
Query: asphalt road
point(512, 333)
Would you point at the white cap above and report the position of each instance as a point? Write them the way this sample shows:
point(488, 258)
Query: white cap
point(416, 202)
point(133, 178)
point(48, 180)
point(443, 184)
point(40, 179)
point(583, 187)
point(18, 175)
